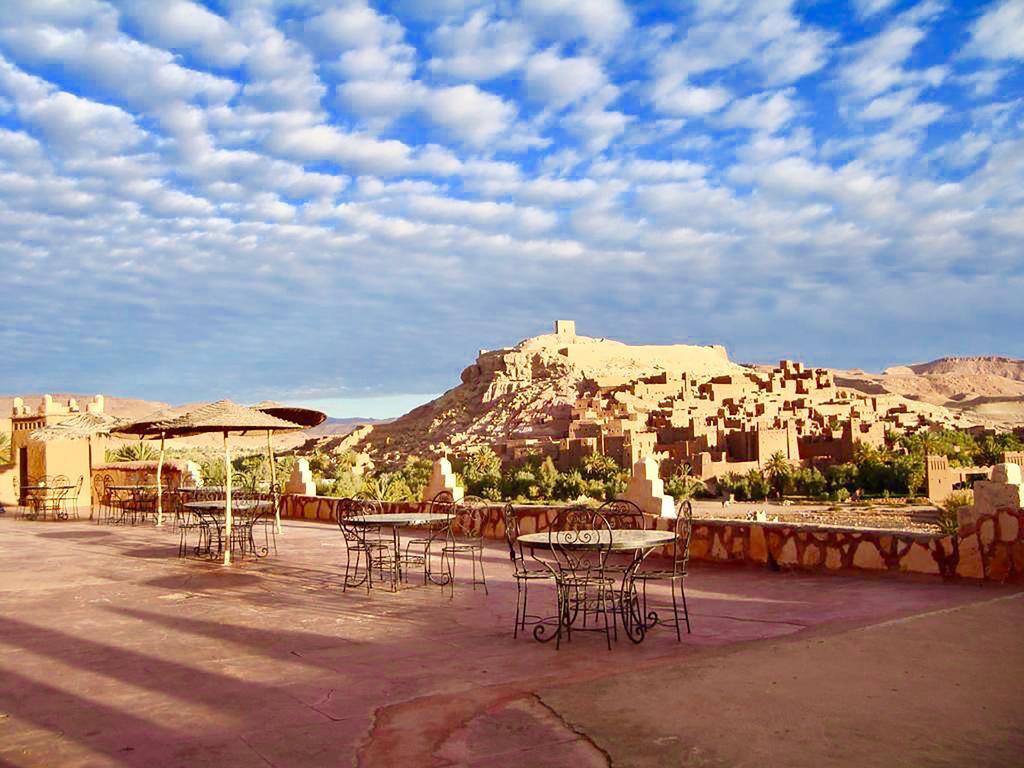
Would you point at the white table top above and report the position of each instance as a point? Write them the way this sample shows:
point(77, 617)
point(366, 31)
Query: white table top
point(398, 518)
point(615, 540)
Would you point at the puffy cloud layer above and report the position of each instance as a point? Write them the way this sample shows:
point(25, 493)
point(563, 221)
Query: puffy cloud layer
point(295, 199)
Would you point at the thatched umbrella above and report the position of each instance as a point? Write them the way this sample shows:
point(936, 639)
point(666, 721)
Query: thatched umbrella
point(145, 429)
point(222, 416)
point(305, 417)
point(81, 426)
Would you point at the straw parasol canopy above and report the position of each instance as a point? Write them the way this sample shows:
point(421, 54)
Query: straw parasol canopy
point(307, 417)
point(222, 416)
point(81, 426)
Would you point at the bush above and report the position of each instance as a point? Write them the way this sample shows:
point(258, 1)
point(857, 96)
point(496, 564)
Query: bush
point(570, 486)
point(949, 512)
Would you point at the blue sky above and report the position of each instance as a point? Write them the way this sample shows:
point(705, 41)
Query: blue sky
point(332, 201)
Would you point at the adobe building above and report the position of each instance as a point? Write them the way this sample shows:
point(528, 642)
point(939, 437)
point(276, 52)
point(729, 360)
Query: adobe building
point(33, 460)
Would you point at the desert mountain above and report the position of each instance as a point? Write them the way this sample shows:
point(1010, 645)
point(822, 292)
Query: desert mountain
point(988, 390)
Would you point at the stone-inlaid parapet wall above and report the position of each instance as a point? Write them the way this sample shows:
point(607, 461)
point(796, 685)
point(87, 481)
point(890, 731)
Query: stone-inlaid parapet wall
point(991, 549)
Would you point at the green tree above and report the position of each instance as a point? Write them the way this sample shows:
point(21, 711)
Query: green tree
point(5, 448)
point(757, 486)
point(547, 476)
point(570, 485)
point(777, 470)
point(683, 484)
point(481, 473)
point(136, 451)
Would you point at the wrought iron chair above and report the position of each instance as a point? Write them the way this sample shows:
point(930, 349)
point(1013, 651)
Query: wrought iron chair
point(419, 549)
point(680, 561)
point(363, 545)
point(581, 542)
point(54, 499)
point(465, 535)
point(187, 521)
point(522, 574)
point(268, 521)
point(622, 515)
point(70, 500)
point(101, 494)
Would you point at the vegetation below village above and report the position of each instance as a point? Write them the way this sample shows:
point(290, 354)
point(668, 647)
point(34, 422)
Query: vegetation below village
point(895, 471)
point(892, 472)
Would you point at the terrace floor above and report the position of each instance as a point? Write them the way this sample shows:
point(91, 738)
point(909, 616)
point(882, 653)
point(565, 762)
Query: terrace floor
point(115, 652)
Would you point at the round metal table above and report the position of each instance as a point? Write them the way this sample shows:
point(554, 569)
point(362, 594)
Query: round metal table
point(640, 542)
point(216, 509)
point(47, 498)
point(394, 521)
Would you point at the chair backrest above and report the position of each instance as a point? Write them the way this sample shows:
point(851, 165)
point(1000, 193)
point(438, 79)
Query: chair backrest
point(348, 508)
point(581, 542)
point(58, 480)
point(623, 515)
point(100, 485)
point(684, 532)
point(442, 504)
point(470, 514)
point(515, 549)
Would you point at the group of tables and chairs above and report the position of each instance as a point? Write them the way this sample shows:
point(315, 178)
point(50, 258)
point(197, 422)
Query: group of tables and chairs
point(52, 497)
point(201, 512)
point(595, 561)
point(124, 503)
point(196, 514)
point(444, 532)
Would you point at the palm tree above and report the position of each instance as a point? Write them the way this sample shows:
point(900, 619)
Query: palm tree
point(135, 452)
point(5, 448)
point(777, 470)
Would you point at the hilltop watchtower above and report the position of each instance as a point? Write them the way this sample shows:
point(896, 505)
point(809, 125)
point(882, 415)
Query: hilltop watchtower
point(565, 328)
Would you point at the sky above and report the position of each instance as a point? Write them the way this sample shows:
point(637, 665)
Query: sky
point(342, 202)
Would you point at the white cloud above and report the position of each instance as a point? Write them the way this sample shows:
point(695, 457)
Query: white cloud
point(480, 48)
point(188, 26)
point(559, 81)
point(768, 112)
point(685, 99)
point(135, 74)
point(472, 115)
point(869, 8)
point(601, 21)
point(999, 33)
point(875, 66)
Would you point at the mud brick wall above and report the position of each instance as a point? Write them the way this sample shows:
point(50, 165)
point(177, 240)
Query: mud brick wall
point(991, 549)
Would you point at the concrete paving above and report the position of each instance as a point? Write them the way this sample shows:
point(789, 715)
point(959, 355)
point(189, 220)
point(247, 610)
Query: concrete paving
point(115, 652)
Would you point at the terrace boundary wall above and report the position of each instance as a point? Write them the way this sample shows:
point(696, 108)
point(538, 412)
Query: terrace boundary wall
point(990, 548)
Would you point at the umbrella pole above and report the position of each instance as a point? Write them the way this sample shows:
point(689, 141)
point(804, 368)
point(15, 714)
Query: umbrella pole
point(227, 501)
point(159, 485)
point(273, 483)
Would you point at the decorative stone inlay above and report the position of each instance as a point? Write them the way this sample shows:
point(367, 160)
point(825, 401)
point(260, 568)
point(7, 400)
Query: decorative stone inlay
point(919, 560)
point(833, 559)
point(966, 555)
point(969, 565)
point(758, 547)
point(812, 556)
point(987, 531)
point(788, 553)
point(1009, 528)
point(868, 557)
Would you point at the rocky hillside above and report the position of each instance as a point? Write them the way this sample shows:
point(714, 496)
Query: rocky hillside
point(528, 391)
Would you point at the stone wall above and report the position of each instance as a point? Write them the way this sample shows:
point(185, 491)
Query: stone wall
point(992, 548)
